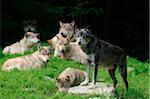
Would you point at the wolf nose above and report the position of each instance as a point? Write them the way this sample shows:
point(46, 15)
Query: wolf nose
point(62, 33)
point(47, 61)
point(79, 43)
point(62, 51)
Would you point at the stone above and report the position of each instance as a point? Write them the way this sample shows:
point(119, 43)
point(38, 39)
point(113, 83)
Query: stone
point(99, 89)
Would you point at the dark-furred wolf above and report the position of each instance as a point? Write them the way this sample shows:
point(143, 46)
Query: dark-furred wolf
point(102, 53)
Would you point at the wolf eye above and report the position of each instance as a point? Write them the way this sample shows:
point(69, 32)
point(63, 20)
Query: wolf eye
point(83, 36)
point(33, 36)
point(44, 53)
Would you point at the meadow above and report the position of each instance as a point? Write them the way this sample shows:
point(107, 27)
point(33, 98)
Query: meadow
point(41, 84)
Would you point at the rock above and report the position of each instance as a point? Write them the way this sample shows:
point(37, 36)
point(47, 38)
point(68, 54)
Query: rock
point(48, 78)
point(100, 89)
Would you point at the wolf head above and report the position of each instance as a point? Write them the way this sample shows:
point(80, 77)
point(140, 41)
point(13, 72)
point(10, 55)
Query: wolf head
point(57, 43)
point(63, 83)
point(55, 40)
point(64, 47)
point(45, 53)
point(83, 36)
point(67, 29)
point(29, 26)
point(31, 38)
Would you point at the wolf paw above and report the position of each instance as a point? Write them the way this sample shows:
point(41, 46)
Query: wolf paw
point(84, 83)
point(92, 86)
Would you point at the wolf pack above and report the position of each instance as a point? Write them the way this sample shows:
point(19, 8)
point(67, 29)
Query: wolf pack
point(71, 43)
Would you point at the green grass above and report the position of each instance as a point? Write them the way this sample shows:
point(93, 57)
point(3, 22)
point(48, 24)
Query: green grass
point(34, 84)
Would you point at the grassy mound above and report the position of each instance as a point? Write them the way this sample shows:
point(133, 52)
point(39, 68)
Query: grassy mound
point(41, 84)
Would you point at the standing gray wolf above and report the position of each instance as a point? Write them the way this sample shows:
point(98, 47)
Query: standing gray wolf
point(29, 40)
point(103, 53)
point(70, 77)
point(34, 60)
point(67, 30)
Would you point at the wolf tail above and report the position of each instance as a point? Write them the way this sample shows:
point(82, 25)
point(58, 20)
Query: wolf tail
point(123, 70)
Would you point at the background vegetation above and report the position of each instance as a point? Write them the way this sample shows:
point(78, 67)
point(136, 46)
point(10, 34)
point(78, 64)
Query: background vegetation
point(121, 22)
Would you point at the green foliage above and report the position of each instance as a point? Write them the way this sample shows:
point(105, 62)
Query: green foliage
point(40, 83)
point(1, 54)
point(28, 7)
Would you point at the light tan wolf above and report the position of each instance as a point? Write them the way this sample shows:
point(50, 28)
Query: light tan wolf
point(29, 40)
point(72, 51)
point(34, 60)
point(55, 42)
point(70, 77)
point(67, 30)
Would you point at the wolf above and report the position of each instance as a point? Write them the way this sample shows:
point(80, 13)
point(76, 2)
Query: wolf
point(30, 25)
point(55, 42)
point(70, 77)
point(102, 53)
point(67, 30)
point(29, 40)
point(72, 51)
point(34, 60)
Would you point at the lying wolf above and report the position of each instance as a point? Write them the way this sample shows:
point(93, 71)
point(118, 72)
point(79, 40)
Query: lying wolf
point(103, 53)
point(72, 51)
point(70, 77)
point(55, 43)
point(35, 60)
point(67, 30)
point(29, 40)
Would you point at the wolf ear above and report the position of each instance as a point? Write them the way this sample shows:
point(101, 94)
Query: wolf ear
point(72, 23)
point(77, 30)
point(88, 29)
point(50, 42)
point(67, 78)
point(60, 23)
point(26, 34)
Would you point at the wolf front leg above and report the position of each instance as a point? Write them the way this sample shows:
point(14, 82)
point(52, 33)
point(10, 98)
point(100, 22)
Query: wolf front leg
point(56, 52)
point(86, 81)
point(95, 70)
